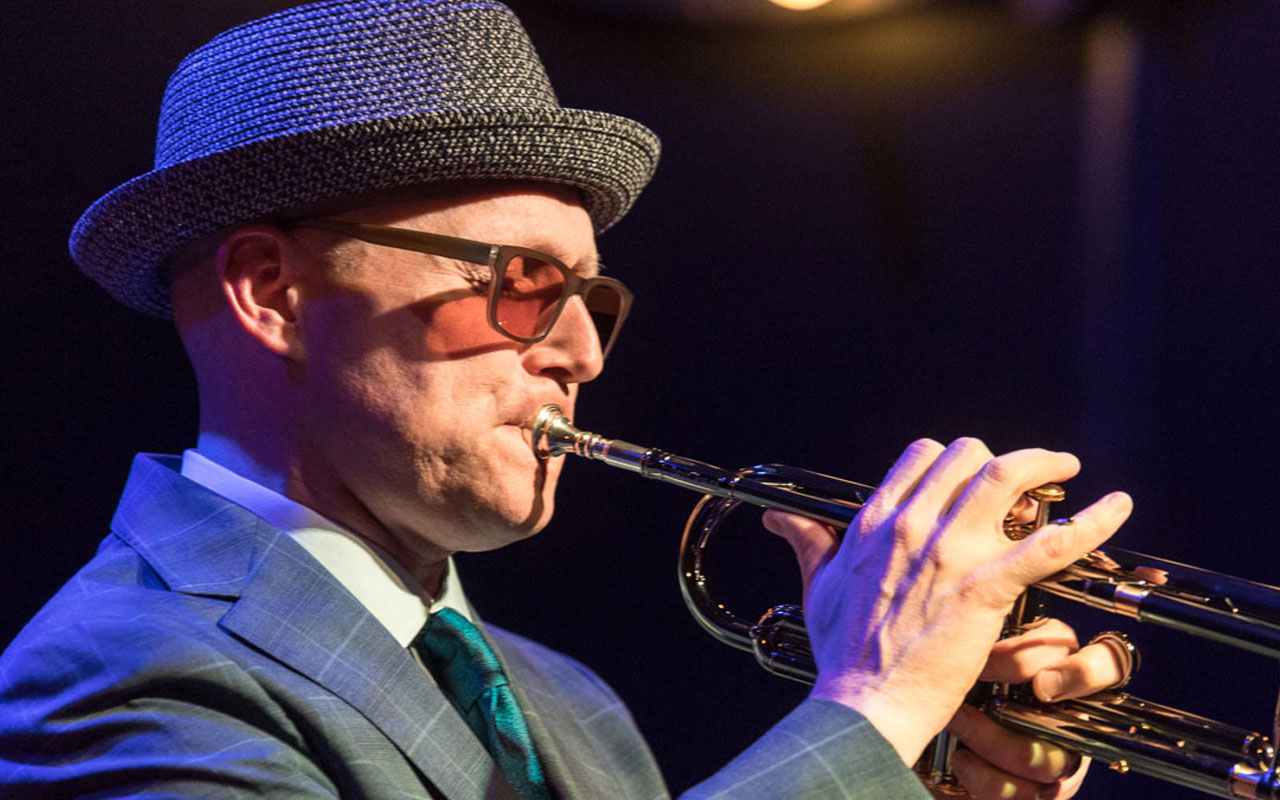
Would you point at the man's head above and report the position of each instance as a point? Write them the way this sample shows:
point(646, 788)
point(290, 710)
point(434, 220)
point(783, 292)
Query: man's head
point(369, 378)
point(365, 378)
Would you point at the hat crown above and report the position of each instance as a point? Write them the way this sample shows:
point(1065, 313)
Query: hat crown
point(347, 61)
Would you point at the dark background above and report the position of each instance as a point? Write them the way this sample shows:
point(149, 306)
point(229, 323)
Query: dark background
point(952, 218)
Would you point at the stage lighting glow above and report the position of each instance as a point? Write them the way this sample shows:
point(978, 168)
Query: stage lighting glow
point(799, 5)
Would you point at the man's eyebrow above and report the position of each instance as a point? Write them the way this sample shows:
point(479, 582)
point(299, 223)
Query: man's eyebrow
point(588, 267)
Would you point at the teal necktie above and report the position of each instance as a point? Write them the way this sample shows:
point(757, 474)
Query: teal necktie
point(468, 672)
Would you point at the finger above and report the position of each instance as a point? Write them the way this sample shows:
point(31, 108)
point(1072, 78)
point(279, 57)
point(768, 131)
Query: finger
point(904, 475)
point(1019, 658)
point(813, 542)
point(1067, 787)
point(985, 782)
point(949, 475)
point(1094, 668)
point(1002, 785)
point(1022, 757)
point(1001, 481)
point(1023, 510)
point(1058, 544)
point(918, 517)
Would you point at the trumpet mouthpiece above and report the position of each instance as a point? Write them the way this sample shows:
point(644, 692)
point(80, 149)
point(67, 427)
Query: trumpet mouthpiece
point(553, 434)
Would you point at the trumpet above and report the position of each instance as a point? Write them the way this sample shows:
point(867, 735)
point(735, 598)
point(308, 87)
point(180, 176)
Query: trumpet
point(1129, 733)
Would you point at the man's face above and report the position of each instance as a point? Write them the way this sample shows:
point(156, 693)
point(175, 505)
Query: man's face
point(419, 412)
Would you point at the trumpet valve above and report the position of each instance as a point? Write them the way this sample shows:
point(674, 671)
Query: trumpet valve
point(1043, 497)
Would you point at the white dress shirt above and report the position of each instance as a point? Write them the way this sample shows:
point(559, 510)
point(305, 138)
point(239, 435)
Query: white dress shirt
point(381, 585)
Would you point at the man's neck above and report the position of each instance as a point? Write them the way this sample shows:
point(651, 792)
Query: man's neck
point(428, 569)
point(231, 455)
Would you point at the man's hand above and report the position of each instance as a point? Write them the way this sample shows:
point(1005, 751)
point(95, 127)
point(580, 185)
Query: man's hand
point(903, 614)
point(999, 763)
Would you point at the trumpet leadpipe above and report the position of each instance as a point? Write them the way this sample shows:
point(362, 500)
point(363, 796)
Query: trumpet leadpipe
point(554, 435)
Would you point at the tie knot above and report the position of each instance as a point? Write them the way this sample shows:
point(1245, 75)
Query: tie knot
point(454, 651)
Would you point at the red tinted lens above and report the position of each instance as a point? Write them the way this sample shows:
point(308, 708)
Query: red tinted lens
point(529, 296)
point(604, 304)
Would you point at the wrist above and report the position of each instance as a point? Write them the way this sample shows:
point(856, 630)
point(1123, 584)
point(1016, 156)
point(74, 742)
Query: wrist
point(906, 725)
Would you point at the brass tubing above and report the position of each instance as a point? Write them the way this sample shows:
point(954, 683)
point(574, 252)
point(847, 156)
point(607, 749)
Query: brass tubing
point(1132, 747)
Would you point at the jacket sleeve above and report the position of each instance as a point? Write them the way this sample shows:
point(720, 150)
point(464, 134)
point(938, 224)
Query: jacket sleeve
point(820, 750)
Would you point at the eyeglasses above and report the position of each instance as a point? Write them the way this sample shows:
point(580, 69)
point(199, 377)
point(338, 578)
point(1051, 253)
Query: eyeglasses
point(527, 290)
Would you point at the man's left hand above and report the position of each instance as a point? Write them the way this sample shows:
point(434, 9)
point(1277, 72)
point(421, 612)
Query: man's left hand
point(999, 763)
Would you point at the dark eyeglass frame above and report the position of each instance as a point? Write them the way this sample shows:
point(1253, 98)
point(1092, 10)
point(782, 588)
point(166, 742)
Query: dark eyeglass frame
point(495, 256)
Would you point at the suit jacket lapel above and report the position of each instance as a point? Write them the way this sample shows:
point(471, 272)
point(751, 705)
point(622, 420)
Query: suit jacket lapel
point(287, 610)
point(290, 607)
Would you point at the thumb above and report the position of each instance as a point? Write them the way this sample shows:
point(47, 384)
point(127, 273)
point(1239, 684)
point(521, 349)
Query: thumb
point(813, 542)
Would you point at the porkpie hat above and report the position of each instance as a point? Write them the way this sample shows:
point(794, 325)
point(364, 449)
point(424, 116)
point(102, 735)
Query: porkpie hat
point(339, 98)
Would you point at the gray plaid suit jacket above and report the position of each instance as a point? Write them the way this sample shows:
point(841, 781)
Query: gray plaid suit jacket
point(204, 653)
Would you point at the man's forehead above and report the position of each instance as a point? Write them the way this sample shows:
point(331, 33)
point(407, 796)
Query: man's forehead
point(540, 216)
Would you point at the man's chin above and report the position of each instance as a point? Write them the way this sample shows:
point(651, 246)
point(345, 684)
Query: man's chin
point(501, 525)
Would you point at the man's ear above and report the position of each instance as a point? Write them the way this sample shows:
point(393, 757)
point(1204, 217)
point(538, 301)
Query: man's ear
point(259, 268)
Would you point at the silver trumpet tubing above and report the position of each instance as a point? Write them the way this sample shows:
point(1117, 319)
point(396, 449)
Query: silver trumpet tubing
point(1113, 727)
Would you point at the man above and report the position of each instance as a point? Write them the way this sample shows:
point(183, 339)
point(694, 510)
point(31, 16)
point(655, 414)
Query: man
point(374, 228)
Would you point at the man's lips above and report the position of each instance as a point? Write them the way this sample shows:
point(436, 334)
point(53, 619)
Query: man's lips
point(524, 420)
point(526, 433)
point(528, 414)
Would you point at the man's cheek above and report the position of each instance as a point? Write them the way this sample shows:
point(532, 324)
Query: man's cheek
point(457, 328)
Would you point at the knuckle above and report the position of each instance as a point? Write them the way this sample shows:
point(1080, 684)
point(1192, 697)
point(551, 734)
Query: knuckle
point(970, 592)
point(924, 448)
point(970, 445)
point(909, 525)
point(874, 515)
point(1055, 544)
point(902, 526)
point(1003, 470)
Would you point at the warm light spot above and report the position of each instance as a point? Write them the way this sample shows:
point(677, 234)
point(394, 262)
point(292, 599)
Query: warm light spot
point(1038, 753)
point(1008, 789)
point(799, 5)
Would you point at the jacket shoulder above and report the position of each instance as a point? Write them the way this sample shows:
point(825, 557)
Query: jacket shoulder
point(119, 683)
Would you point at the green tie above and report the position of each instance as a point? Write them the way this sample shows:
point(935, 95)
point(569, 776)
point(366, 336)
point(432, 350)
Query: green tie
point(468, 672)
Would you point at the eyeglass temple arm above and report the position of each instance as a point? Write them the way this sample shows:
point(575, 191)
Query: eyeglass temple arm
point(436, 244)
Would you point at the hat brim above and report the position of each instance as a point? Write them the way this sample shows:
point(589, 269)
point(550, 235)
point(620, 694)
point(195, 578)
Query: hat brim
point(123, 239)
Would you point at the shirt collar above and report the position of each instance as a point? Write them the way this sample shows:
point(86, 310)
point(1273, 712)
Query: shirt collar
point(381, 585)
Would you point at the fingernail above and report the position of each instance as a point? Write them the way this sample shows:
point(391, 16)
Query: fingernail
point(1050, 684)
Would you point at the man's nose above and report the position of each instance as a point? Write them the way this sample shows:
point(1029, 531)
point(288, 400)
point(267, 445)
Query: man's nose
point(572, 350)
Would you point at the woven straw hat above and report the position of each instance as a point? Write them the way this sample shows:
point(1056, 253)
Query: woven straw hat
point(343, 97)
